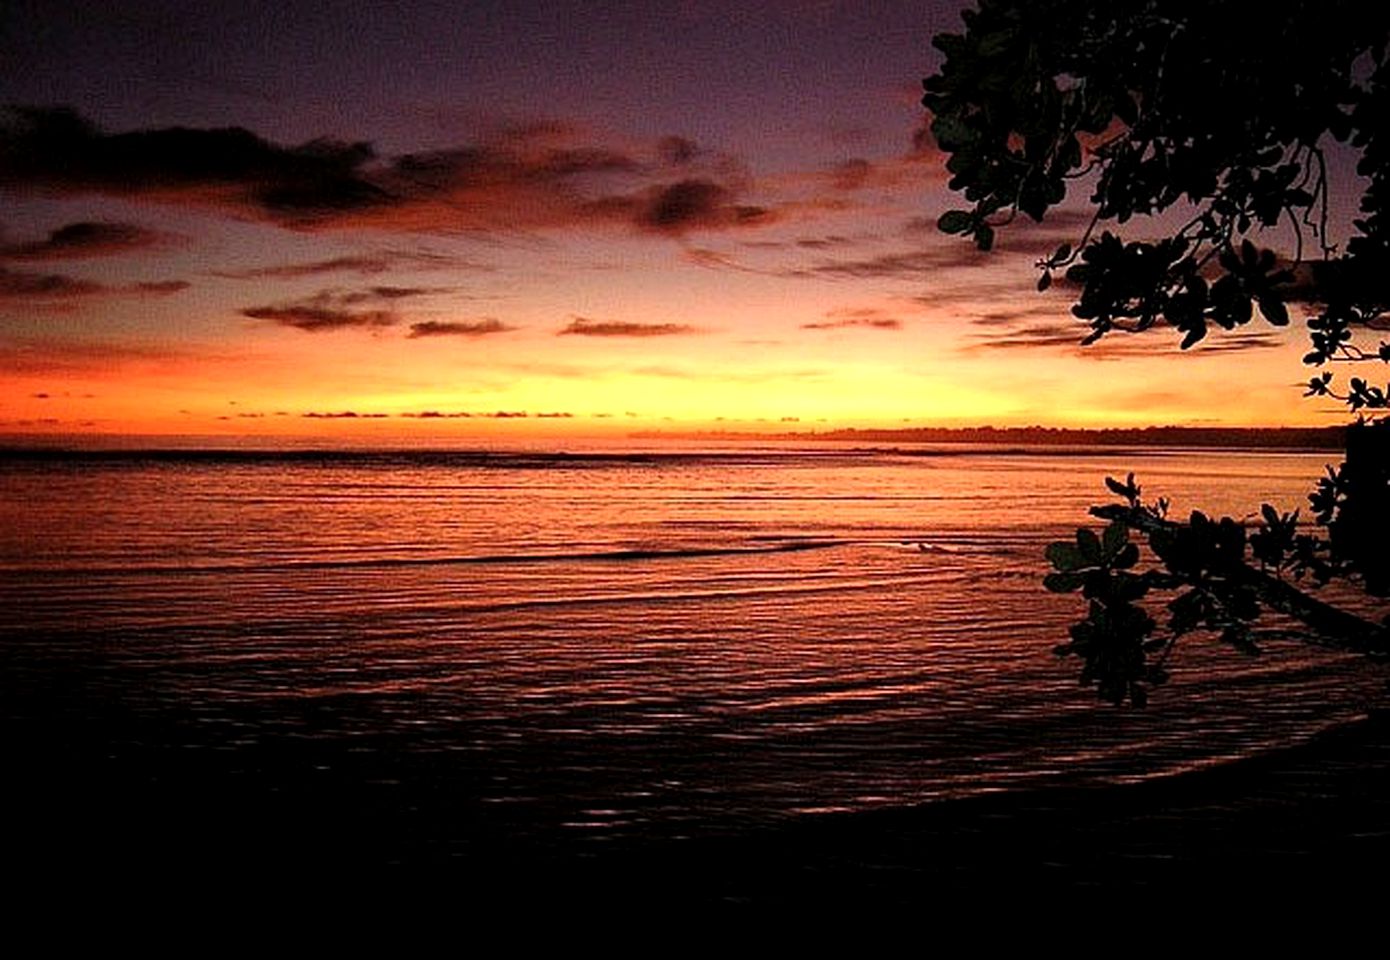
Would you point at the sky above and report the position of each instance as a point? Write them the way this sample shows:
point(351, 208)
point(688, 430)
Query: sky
point(423, 219)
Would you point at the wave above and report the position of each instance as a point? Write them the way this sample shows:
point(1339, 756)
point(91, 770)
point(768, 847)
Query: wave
point(596, 556)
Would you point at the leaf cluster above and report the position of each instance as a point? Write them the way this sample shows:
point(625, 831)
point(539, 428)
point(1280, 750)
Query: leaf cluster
point(1219, 113)
point(1206, 566)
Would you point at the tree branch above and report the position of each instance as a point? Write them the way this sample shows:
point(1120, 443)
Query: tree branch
point(1334, 626)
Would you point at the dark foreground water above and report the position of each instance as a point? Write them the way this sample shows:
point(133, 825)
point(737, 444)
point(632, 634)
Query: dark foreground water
point(373, 661)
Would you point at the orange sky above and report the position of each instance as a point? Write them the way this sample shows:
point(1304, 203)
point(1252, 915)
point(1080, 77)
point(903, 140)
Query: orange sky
point(730, 254)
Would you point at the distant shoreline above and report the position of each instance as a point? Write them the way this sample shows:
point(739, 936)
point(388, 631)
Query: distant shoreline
point(997, 439)
point(1278, 438)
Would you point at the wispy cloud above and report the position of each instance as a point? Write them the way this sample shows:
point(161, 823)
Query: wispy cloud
point(330, 310)
point(1157, 341)
point(60, 290)
point(584, 327)
point(46, 356)
point(83, 240)
point(908, 264)
point(458, 328)
point(343, 415)
point(870, 317)
point(317, 319)
point(360, 264)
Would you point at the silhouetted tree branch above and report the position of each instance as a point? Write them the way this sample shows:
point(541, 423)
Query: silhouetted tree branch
point(1221, 123)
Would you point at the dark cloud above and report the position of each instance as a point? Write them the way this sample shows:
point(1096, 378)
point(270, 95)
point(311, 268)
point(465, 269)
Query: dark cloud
point(911, 264)
point(85, 239)
point(823, 243)
point(57, 289)
point(364, 265)
point(325, 311)
point(338, 310)
point(696, 204)
point(57, 150)
point(28, 285)
point(344, 415)
point(1037, 335)
point(493, 415)
point(321, 319)
point(389, 293)
point(676, 151)
point(924, 146)
point(524, 178)
point(457, 328)
point(158, 288)
point(584, 327)
point(1156, 341)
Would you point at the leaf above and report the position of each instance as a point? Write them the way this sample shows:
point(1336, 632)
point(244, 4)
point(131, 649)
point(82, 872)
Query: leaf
point(984, 236)
point(1274, 310)
point(1064, 556)
point(1062, 582)
point(1127, 489)
point(1044, 282)
point(955, 221)
point(1089, 545)
point(1114, 538)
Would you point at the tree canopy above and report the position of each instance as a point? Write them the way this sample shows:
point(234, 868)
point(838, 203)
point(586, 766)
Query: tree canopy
point(1252, 142)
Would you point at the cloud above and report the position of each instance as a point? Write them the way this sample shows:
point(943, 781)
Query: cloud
point(28, 285)
point(313, 319)
point(911, 264)
point(57, 150)
point(389, 293)
point(522, 179)
point(85, 239)
point(1156, 341)
point(857, 317)
point(713, 259)
point(44, 356)
point(156, 288)
point(339, 310)
point(675, 208)
point(344, 415)
point(823, 243)
point(676, 151)
point(58, 290)
point(455, 328)
point(584, 327)
point(363, 265)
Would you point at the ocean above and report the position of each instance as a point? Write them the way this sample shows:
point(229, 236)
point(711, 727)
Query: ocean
point(458, 656)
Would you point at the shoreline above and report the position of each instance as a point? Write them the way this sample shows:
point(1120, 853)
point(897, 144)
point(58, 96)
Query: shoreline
point(1310, 820)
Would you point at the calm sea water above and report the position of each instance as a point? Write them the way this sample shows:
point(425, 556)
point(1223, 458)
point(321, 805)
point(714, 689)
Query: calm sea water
point(534, 648)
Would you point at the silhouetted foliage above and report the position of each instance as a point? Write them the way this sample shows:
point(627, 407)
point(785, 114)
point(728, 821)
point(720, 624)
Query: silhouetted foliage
point(1222, 123)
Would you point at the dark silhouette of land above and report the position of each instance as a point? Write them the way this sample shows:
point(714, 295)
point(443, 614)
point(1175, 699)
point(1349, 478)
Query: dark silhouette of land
point(1308, 821)
point(1275, 438)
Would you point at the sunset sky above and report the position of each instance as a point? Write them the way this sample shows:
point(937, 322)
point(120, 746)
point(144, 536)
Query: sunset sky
point(258, 218)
